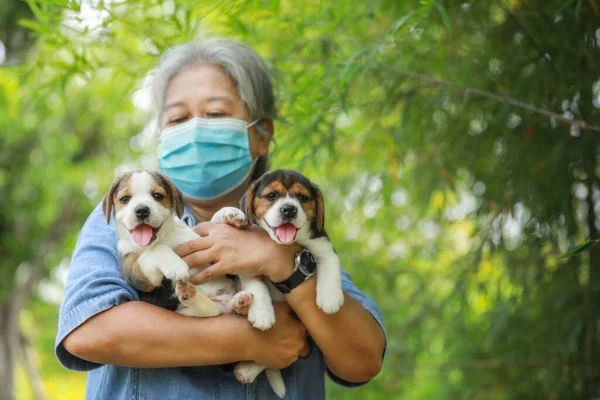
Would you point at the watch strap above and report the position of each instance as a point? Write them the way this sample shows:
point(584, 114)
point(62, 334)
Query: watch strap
point(290, 283)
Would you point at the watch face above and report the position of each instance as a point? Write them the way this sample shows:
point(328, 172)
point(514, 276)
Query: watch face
point(308, 262)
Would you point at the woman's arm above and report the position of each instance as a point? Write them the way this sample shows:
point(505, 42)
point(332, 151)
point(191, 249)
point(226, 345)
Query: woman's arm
point(138, 334)
point(351, 340)
point(102, 320)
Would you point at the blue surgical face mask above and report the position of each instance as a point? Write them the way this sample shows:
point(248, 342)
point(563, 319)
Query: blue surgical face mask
point(206, 158)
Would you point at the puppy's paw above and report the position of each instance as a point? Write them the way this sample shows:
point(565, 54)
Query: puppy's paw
point(231, 216)
point(155, 276)
point(185, 291)
point(241, 302)
point(261, 315)
point(178, 271)
point(247, 371)
point(330, 301)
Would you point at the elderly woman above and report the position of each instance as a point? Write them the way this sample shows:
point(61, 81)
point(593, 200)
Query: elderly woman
point(131, 347)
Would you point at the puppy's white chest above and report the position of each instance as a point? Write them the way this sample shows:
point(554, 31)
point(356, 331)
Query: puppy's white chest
point(219, 287)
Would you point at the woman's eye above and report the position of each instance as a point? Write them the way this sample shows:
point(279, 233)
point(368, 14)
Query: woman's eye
point(271, 196)
point(215, 114)
point(177, 120)
point(303, 198)
point(158, 196)
point(125, 199)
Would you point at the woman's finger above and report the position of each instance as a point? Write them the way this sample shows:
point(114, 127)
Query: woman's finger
point(193, 246)
point(200, 258)
point(211, 272)
point(205, 228)
point(305, 350)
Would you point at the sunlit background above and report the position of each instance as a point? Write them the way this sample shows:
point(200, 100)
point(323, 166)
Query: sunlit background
point(456, 144)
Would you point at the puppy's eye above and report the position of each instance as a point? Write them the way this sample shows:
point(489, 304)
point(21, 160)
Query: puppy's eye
point(158, 196)
point(271, 196)
point(303, 198)
point(125, 199)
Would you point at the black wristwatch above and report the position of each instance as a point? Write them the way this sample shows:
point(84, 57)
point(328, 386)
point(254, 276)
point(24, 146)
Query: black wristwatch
point(305, 266)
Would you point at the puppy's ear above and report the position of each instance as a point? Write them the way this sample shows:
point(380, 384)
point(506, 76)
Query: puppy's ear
point(176, 196)
point(319, 218)
point(107, 200)
point(247, 202)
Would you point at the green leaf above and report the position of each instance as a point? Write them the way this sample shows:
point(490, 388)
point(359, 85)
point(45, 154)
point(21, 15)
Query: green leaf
point(563, 6)
point(395, 27)
point(582, 247)
point(443, 14)
point(578, 10)
point(34, 26)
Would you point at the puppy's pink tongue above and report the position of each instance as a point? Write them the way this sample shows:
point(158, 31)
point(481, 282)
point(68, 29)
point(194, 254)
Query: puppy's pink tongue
point(286, 232)
point(142, 235)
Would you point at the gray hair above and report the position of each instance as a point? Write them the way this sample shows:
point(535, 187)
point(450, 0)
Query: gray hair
point(243, 65)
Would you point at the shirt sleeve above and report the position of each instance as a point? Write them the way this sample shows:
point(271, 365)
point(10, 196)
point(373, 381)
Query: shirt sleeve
point(94, 284)
point(349, 287)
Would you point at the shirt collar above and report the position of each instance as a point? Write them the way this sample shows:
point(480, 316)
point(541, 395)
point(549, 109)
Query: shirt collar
point(188, 217)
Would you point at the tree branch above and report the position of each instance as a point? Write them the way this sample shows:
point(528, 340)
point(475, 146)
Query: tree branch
point(502, 99)
point(24, 352)
point(54, 237)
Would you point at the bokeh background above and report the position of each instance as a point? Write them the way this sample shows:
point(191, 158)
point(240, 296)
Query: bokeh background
point(456, 143)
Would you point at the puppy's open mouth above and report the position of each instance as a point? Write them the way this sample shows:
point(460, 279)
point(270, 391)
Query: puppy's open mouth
point(286, 233)
point(144, 234)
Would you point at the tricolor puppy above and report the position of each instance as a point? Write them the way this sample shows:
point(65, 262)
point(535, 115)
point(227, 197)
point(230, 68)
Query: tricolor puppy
point(145, 204)
point(291, 208)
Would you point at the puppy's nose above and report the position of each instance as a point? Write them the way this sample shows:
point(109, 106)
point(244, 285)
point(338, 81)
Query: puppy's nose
point(289, 211)
point(142, 212)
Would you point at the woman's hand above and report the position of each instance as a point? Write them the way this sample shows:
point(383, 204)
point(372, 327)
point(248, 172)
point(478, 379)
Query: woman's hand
point(236, 251)
point(280, 346)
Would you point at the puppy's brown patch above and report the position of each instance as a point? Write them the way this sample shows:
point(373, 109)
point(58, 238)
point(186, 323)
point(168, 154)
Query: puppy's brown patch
point(109, 201)
point(261, 205)
point(310, 206)
point(298, 189)
point(132, 273)
point(123, 190)
point(172, 197)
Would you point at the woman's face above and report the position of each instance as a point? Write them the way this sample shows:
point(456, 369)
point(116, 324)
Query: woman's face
point(206, 91)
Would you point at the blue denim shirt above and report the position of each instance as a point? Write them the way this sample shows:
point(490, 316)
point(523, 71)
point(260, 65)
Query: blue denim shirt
point(94, 285)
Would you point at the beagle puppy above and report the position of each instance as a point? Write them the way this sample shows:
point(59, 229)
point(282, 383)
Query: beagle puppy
point(291, 209)
point(145, 205)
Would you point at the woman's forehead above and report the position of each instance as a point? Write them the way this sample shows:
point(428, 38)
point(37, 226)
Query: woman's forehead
point(201, 82)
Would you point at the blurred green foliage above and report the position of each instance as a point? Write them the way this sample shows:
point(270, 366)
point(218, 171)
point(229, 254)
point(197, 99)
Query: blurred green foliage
point(448, 200)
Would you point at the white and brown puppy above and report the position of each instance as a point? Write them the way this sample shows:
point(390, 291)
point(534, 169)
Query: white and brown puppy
point(145, 204)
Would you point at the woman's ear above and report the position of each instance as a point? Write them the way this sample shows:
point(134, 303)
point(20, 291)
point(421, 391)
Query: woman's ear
point(319, 218)
point(265, 133)
point(247, 202)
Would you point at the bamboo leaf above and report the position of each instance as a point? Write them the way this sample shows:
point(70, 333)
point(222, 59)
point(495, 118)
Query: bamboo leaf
point(578, 249)
point(443, 15)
